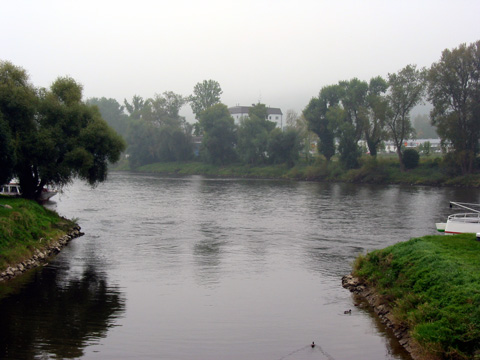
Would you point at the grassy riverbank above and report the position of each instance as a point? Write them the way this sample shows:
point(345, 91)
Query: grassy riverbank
point(383, 170)
point(433, 286)
point(25, 227)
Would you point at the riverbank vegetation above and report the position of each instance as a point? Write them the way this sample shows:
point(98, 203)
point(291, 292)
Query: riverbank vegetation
point(380, 170)
point(50, 136)
point(432, 284)
point(25, 226)
point(346, 121)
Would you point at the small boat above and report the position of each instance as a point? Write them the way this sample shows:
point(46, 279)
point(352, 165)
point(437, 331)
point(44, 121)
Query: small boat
point(13, 189)
point(468, 222)
point(47, 193)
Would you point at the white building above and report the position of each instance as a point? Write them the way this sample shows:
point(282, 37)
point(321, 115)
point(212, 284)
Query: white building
point(434, 143)
point(273, 114)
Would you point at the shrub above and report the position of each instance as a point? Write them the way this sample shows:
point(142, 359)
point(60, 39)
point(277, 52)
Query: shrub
point(411, 158)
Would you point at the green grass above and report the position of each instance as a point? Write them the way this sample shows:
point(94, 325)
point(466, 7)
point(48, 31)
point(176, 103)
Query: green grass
point(433, 285)
point(26, 227)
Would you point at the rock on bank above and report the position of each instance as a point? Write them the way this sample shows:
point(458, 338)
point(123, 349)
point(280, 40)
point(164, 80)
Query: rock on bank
point(384, 312)
point(41, 256)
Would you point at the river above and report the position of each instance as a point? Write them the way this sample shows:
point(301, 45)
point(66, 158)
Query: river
point(198, 268)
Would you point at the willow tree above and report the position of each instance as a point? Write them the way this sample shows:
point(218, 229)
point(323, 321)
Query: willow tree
point(56, 136)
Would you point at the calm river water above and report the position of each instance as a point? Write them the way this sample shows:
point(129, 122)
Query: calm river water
point(197, 268)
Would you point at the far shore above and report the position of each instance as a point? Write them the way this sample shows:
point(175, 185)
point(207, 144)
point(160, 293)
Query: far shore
point(381, 170)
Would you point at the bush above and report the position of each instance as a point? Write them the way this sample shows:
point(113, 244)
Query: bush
point(411, 158)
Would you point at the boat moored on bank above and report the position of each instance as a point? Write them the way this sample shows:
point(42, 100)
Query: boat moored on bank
point(13, 189)
point(466, 222)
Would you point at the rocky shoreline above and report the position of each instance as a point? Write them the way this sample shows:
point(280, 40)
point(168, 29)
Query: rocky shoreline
point(385, 314)
point(40, 257)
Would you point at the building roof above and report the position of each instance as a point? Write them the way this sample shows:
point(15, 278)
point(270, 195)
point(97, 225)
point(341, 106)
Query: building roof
point(244, 110)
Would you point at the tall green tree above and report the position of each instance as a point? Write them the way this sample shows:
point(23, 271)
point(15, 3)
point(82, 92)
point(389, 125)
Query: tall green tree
point(406, 89)
point(57, 136)
point(354, 100)
point(375, 114)
point(136, 107)
point(316, 115)
point(260, 112)
point(454, 90)
point(253, 135)
point(157, 132)
point(113, 113)
point(143, 138)
point(163, 110)
point(7, 152)
point(220, 135)
point(205, 94)
point(283, 146)
point(252, 140)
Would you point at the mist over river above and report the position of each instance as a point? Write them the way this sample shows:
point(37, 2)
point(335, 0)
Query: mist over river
point(200, 268)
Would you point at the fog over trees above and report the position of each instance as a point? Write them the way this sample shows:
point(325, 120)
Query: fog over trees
point(52, 135)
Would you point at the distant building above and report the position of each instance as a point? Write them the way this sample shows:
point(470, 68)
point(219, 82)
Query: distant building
point(412, 144)
point(273, 114)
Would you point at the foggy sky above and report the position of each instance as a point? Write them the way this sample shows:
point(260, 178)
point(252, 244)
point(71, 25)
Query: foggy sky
point(277, 52)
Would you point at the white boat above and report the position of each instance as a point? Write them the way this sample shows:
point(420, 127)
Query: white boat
point(13, 189)
point(467, 222)
point(47, 193)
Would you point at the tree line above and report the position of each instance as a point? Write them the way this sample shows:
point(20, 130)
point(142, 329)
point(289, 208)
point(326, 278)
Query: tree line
point(52, 135)
point(379, 110)
point(336, 120)
point(155, 132)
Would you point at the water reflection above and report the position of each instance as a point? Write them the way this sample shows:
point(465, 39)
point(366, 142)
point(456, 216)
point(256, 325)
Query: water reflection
point(214, 269)
point(44, 319)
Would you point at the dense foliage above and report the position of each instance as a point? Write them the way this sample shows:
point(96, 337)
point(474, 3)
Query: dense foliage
point(432, 284)
point(51, 135)
point(411, 158)
point(454, 90)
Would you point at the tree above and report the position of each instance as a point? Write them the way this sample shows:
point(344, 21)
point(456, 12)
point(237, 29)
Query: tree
point(205, 94)
point(136, 107)
point(253, 135)
point(57, 136)
point(252, 140)
point(163, 110)
point(7, 153)
point(291, 118)
point(260, 112)
point(306, 137)
point(406, 91)
point(143, 139)
point(316, 115)
point(219, 135)
point(354, 100)
point(283, 146)
point(113, 113)
point(375, 114)
point(157, 132)
point(454, 90)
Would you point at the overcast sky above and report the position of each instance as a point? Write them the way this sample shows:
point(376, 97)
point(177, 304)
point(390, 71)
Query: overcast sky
point(277, 52)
